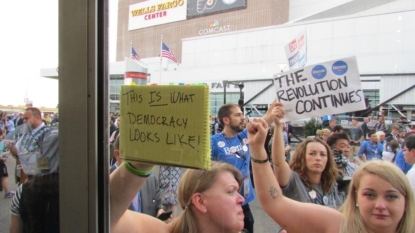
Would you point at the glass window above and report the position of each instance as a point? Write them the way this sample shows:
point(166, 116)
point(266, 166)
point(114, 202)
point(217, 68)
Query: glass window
point(216, 100)
point(373, 97)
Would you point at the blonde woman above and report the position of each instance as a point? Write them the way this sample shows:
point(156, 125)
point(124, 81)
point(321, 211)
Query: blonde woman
point(380, 197)
point(210, 201)
point(323, 134)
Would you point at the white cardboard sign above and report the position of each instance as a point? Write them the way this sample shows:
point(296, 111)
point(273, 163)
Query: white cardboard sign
point(296, 51)
point(328, 88)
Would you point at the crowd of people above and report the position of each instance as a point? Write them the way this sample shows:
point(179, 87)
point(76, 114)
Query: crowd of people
point(361, 180)
point(335, 176)
point(32, 141)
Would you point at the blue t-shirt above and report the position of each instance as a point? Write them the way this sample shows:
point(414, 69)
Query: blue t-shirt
point(400, 162)
point(372, 151)
point(226, 150)
point(10, 126)
point(327, 117)
point(1, 147)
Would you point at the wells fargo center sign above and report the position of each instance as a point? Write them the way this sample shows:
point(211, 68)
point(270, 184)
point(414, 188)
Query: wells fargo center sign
point(156, 12)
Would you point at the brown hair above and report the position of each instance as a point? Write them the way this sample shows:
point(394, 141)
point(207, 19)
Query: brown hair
point(198, 181)
point(47, 185)
point(394, 145)
point(35, 112)
point(225, 111)
point(298, 165)
point(395, 126)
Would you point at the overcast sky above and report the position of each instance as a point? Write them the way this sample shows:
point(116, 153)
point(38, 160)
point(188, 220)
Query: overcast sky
point(29, 42)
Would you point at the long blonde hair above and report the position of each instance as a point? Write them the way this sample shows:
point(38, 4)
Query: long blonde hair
point(353, 220)
point(198, 181)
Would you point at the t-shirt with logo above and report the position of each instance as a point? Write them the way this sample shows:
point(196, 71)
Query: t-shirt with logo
point(226, 150)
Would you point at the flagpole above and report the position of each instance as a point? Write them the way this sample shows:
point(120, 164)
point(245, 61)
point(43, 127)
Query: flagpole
point(161, 56)
point(131, 49)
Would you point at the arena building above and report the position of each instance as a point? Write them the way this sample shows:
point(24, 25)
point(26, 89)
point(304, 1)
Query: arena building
point(236, 46)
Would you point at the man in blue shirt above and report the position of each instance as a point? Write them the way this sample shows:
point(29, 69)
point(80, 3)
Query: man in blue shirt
point(231, 147)
point(371, 149)
point(400, 159)
point(400, 162)
point(326, 119)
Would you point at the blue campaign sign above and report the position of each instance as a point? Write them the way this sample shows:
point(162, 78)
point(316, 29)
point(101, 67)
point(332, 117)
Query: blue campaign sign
point(339, 67)
point(319, 72)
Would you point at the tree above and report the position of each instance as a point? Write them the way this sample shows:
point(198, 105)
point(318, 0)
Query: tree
point(311, 127)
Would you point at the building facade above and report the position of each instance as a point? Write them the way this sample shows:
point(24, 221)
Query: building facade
point(146, 41)
point(245, 44)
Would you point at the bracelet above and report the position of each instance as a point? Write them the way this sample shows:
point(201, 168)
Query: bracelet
point(258, 160)
point(137, 172)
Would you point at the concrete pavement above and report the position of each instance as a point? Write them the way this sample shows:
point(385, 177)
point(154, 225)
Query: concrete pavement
point(5, 202)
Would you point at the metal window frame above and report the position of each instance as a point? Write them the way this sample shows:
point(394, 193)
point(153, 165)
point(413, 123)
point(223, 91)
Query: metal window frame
point(83, 105)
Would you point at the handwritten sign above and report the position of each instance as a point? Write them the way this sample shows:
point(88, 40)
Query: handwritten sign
point(166, 125)
point(313, 91)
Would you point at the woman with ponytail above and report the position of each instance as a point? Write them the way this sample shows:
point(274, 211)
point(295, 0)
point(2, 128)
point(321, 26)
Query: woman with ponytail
point(209, 199)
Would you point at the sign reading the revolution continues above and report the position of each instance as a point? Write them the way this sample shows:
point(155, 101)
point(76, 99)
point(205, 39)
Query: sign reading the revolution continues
point(327, 88)
point(165, 125)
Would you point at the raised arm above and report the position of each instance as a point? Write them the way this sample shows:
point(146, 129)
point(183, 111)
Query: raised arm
point(124, 186)
point(268, 117)
point(281, 169)
point(295, 217)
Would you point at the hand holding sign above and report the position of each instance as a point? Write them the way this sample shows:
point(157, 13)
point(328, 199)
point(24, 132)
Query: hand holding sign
point(278, 113)
point(165, 125)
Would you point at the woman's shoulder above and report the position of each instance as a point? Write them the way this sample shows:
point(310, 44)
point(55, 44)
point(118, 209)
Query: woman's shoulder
point(137, 222)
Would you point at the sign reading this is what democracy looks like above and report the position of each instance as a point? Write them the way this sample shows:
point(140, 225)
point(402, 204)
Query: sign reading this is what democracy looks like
point(328, 88)
point(167, 125)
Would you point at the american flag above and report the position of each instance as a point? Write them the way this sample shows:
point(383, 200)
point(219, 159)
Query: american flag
point(134, 55)
point(165, 52)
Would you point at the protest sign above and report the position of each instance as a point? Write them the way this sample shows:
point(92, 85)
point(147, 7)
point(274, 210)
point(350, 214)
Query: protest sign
point(328, 88)
point(296, 51)
point(167, 125)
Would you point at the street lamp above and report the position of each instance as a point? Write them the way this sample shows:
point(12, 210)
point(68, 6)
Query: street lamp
point(241, 95)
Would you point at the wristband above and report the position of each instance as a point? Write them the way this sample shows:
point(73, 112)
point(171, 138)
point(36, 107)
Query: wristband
point(258, 160)
point(137, 172)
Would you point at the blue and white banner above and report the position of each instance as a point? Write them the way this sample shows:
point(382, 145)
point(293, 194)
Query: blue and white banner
point(328, 88)
point(296, 51)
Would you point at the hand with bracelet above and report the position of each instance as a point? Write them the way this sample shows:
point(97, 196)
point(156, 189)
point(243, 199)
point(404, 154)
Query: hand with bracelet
point(140, 169)
point(125, 182)
point(257, 132)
